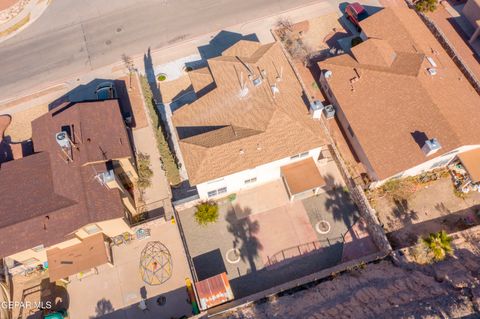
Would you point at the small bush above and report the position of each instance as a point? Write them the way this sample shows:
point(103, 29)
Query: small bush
point(145, 173)
point(161, 77)
point(426, 5)
point(207, 212)
point(166, 155)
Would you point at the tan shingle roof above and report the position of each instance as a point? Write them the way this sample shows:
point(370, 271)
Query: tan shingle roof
point(385, 106)
point(224, 131)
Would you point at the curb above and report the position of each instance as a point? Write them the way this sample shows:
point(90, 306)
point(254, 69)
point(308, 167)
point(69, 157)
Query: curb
point(31, 12)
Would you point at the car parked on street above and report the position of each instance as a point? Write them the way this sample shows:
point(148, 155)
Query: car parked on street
point(355, 13)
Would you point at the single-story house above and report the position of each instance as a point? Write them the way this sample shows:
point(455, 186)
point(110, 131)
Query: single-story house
point(403, 104)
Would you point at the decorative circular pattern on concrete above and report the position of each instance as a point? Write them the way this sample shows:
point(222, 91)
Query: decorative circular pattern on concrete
point(322, 227)
point(233, 256)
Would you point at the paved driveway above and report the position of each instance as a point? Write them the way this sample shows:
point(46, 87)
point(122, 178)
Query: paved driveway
point(116, 291)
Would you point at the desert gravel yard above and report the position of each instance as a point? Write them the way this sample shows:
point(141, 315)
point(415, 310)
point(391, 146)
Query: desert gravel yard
point(20, 129)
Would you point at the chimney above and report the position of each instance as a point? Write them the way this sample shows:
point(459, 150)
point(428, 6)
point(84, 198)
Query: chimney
point(431, 146)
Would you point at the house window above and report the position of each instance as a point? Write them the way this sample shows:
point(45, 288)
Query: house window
point(222, 190)
point(30, 261)
point(301, 155)
point(212, 193)
point(38, 248)
point(350, 130)
point(250, 180)
point(92, 229)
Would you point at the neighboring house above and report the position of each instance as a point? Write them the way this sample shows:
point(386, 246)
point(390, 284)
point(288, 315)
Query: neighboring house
point(471, 11)
point(73, 186)
point(403, 104)
point(250, 121)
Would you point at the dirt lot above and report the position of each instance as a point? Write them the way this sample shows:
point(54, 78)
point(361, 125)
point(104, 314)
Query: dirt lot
point(421, 209)
point(20, 129)
point(385, 290)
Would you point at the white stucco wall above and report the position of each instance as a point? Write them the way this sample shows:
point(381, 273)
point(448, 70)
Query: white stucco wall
point(264, 174)
point(437, 162)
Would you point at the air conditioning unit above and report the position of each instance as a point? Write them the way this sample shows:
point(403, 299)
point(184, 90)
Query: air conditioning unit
point(62, 139)
point(316, 108)
point(329, 111)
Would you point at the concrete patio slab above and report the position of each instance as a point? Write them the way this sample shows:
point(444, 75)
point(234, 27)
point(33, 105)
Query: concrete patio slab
point(115, 291)
point(260, 199)
point(282, 229)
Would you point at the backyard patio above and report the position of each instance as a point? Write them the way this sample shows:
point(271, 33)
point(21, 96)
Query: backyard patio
point(115, 292)
point(261, 243)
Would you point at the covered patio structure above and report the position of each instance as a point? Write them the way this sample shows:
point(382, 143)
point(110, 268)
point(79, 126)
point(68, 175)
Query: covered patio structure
point(80, 258)
point(302, 179)
point(471, 162)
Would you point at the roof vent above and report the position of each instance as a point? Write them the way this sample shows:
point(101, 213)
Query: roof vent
point(328, 74)
point(242, 151)
point(432, 71)
point(431, 61)
point(257, 81)
point(274, 89)
point(316, 108)
point(431, 146)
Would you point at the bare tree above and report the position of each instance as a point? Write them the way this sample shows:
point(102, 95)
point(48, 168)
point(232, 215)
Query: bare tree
point(128, 63)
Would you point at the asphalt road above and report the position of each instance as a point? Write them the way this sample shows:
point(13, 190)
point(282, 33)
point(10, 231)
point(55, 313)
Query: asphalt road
point(75, 36)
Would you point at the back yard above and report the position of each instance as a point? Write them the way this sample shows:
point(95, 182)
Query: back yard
point(411, 209)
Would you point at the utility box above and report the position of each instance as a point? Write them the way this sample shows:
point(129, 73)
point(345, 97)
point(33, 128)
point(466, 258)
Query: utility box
point(316, 108)
point(329, 111)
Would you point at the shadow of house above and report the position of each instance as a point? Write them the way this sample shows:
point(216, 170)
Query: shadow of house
point(222, 41)
point(172, 304)
point(457, 221)
point(50, 294)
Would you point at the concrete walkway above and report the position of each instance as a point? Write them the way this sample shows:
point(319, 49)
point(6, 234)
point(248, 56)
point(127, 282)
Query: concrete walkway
point(159, 193)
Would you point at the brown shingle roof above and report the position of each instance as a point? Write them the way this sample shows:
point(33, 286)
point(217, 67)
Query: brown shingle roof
point(68, 261)
point(45, 184)
point(387, 107)
point(233, 131)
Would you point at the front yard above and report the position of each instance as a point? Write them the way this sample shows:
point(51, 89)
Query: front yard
point(414, 209)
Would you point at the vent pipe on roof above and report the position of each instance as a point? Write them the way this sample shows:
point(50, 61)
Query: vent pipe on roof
point(431, 146)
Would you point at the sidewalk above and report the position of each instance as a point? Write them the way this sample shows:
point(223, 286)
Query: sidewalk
point(19, 15)
point(159, 193)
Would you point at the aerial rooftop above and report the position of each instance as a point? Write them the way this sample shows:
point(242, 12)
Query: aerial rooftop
point(53, 195)
point(399, 88)
point(250, 112)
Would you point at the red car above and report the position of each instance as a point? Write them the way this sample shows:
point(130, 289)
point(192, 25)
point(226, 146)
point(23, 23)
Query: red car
point(355, 12)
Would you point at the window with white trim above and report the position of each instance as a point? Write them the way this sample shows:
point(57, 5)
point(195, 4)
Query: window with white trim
point(301, 155)
point(212, 193)
point(216, 192)
point(250, 180)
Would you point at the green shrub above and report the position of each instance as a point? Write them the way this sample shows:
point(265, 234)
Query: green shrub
point(207, 212)
point(426, 5)
point(439, 245)
point(145, 173)
point(166, 156)
point(161, 77)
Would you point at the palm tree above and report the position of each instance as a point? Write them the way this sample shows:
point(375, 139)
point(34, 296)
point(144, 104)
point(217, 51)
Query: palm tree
point(439, 244)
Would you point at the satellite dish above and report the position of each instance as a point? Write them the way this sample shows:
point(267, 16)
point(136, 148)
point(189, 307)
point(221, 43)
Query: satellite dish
point(328, 74)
